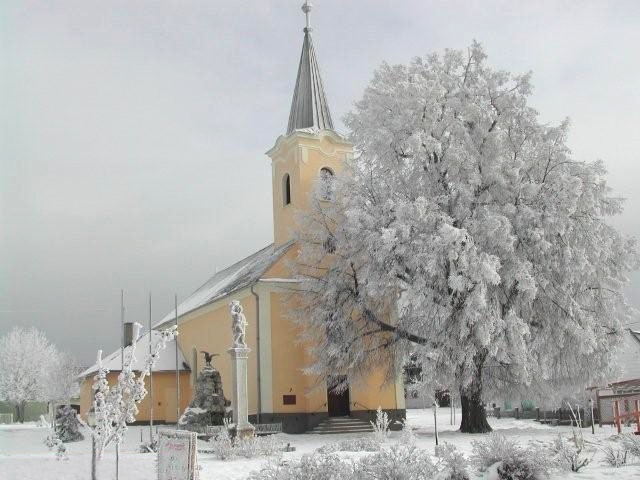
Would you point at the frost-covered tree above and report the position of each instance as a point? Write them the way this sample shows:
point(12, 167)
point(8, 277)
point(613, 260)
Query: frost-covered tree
point(114, 406)
point(466, 234)
point(62, 380)
point(26, 358)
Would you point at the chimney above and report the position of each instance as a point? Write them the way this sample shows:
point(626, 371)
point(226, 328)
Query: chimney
point(128, 334)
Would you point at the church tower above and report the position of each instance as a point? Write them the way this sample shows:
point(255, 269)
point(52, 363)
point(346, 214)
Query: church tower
point(310, 151)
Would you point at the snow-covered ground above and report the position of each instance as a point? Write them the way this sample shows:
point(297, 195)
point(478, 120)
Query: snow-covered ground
point(24, 456)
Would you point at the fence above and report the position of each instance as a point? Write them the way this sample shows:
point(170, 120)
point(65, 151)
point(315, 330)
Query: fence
point(6, 418)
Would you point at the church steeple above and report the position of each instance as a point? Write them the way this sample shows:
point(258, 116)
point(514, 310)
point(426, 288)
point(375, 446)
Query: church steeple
point(309, 107)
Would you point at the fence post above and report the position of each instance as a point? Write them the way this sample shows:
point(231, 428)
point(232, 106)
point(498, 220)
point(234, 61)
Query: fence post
point(616, 415)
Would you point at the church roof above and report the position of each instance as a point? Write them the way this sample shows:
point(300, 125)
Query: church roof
point(166, 361)
point(309, 107)
point(240, 275)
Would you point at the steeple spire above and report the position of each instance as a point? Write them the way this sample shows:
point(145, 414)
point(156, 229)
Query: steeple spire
point(309, 107)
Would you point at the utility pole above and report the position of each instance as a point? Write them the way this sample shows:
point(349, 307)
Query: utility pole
point(175, 339)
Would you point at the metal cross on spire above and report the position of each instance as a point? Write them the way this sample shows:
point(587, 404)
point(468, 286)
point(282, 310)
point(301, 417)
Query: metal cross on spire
point(306, 8)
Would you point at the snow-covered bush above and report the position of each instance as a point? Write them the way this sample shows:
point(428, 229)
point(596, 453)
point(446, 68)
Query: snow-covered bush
point(381, 425)
point(67, 425)
point(570, 455)
point(362, 444)
point(453, 464)
point(224, 447)
point(510, 460)
point(615, 456)
point(406, 434)
point(54, 443)
point(631, 443)
point(310, 467)
point(399, 462)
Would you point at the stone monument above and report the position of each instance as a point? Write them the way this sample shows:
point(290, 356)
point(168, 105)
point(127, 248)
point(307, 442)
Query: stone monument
point(208, 406)
point(239, 353)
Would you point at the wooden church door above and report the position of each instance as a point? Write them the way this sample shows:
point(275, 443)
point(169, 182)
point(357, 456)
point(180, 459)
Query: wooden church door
point(337, 402)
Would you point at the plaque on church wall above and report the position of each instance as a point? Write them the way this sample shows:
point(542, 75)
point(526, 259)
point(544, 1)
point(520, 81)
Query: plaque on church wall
point(288, 399)
point(176, 455)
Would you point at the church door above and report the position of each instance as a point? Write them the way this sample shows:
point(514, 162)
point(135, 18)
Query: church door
point(337, 402)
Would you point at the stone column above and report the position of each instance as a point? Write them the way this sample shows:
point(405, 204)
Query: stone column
point(239, 354)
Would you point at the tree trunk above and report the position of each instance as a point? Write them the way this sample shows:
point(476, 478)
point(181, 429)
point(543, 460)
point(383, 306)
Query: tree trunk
point(20, 408)
point(94, 459)
point(474, 416)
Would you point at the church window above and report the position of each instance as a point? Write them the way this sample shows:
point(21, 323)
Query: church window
point(326, 183)
point(286, 189)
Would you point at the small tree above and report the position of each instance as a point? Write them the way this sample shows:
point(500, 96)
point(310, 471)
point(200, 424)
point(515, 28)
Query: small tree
point(116, 406)
point(26, 359)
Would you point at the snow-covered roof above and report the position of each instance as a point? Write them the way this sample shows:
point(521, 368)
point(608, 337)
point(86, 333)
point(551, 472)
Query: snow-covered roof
point(635, 335)
point(236, 277)
point(165, 362)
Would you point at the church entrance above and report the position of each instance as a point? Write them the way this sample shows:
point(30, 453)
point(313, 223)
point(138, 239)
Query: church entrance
point(337, 402)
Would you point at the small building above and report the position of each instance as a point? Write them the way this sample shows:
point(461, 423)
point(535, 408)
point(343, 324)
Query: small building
point(163, 394)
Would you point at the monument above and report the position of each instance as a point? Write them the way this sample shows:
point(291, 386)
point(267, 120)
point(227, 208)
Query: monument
point(239, 353)
point(208, 406)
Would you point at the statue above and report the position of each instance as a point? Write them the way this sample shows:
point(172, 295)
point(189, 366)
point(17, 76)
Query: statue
point(208, 357)
point(238, 326)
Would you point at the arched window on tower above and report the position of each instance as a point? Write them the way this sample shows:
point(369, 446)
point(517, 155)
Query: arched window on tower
point(326, 183)
point(286, 189)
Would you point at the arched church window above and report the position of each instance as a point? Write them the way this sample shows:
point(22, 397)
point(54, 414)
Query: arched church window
point(326, 183)
point(286, 189)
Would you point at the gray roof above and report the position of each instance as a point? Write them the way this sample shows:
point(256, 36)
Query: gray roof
point(309, 107)
point(240, 275)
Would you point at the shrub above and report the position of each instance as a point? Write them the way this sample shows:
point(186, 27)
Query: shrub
point(513, 461)
point(631, 443)
point(362, 444)
point(225, 448)
point(399, 462)
point(381, 425)
point(453, 464)
point(54, 443)
point(570, 456)
point(67, 425)
point(615, 457)
point(310, 467)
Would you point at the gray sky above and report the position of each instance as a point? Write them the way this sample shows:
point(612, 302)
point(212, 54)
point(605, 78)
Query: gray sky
point(133, 133)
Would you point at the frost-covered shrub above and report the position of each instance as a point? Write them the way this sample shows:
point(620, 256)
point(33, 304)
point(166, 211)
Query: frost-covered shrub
point(362, 444)
point(310, 467)
point(406, 434)
point(570, 455)
point(512, 462)
point(54, 443)
point(453, 464)
point(224, 447)
point(631, 443)
point(67, 425)
point(399, 462)
point(258, 446)
point(615, 457)
point(381, 425)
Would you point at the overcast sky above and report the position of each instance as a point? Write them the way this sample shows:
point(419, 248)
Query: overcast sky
point(133, 133)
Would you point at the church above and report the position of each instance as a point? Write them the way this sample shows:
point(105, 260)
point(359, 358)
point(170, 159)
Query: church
point(278, 390)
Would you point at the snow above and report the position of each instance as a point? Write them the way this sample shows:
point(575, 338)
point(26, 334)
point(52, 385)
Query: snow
point(166, 361)
point(24, 456)
point(231, 279)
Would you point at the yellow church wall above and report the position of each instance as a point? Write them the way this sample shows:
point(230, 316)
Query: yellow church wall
point(209, 329)
point(164, 396)
point(289, 358)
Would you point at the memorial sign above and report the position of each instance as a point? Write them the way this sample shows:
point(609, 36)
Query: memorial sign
point(177, 455)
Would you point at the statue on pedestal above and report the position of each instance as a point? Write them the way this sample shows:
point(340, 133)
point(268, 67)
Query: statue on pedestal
point(239, 325)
